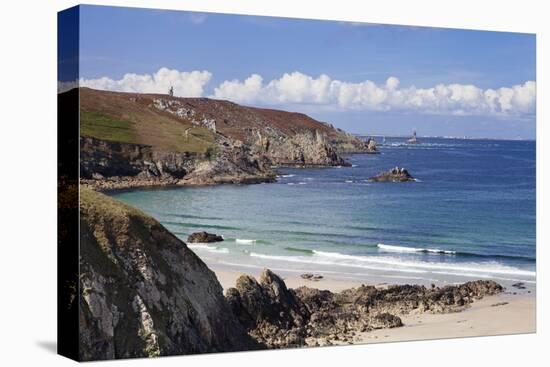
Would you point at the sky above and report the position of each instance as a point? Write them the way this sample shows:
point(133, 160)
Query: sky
point(364, 78)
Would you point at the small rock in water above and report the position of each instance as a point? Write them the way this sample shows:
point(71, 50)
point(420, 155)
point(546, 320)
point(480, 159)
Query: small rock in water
point(204, 237)
point(396, 174)
point(519, 285)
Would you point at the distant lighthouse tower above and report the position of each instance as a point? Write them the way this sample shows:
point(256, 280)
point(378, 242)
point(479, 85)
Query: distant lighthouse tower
point(171, 91)
point(413, 139)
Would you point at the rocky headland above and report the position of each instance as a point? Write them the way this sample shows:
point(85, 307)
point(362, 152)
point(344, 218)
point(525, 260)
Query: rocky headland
point(131, 140)
point(143, 293)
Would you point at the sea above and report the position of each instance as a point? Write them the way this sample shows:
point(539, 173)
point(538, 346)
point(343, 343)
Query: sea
point(469, 215)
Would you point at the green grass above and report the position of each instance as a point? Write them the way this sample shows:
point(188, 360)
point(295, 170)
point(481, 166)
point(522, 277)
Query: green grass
point(100, 126)
point(151, 129)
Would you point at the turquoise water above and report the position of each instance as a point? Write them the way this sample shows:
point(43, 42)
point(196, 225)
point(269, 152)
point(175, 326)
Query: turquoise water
point(470, 215)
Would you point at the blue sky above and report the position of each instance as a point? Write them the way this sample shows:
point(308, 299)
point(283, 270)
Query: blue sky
point(335, 71)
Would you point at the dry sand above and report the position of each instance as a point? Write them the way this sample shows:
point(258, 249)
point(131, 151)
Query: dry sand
point(513, 312)
point(488, 316)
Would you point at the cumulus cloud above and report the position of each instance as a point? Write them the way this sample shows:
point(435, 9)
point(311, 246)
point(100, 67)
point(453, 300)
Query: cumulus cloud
point(297, 88)
point(457, 99)
point(186, 84)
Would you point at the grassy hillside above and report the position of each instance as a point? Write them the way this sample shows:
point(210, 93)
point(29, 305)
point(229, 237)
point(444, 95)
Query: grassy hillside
point(137, 118)
point(129, 118)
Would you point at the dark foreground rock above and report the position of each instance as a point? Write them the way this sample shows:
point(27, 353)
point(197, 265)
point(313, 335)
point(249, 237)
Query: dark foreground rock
point(394, 175)
point(280, 317)
point(204, 237)
point(143, 293)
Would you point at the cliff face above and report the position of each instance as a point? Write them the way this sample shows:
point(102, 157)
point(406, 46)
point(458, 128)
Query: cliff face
point(143, 292)
point(132, 140)
point(113, 165)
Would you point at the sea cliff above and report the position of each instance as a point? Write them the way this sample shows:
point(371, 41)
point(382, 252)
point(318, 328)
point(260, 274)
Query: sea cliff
point(142, 292)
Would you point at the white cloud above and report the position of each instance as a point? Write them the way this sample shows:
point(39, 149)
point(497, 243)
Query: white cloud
point(245, 92)
point(297, 88)
point(457, 99)
point(186, 84)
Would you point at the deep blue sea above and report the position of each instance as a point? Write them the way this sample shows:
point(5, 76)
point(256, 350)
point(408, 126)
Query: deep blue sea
point(470, 215)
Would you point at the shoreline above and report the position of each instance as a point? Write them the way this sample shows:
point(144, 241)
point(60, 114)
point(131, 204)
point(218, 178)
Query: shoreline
point(227, 276)
point(115, 184)
point(511, 312)
point(334, 280)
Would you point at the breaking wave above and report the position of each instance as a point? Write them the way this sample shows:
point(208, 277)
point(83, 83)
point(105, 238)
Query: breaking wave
point(391, 248)
point(398, 265)
point(245, 242)
point(209, 248)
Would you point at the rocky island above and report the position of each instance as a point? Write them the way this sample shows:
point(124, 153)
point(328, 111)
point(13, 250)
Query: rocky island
point(133, 140)
point(396, 174)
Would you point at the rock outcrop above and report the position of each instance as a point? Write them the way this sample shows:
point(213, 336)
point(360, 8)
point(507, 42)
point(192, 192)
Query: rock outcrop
point(106, 165)
point(280, 317)
point(371, 146)
point(204, 237)
point(143, 293)
point(304, 149)
point(394, 175)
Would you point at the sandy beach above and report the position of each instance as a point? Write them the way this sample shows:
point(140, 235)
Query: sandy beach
point(512, 312)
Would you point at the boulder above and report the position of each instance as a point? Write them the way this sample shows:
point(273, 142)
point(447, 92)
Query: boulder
point(269, 310)
point(371, 146)
point(204, 237)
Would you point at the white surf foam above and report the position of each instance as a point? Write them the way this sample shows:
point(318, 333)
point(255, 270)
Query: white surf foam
point(206, 247)
point(391, 264)
point(484, 267)
point(392, 248)
point(320, 261)
point(245, 242)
